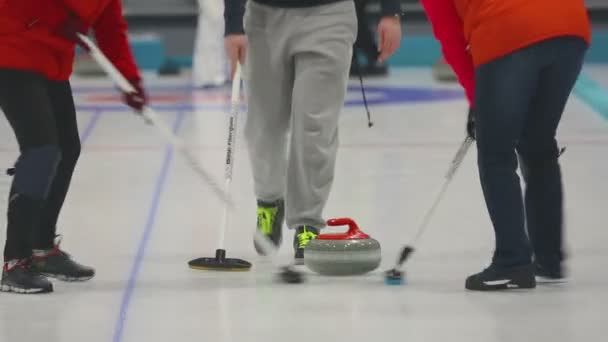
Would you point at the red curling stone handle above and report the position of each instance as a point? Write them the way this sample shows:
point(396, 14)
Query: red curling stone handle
point(353, 233)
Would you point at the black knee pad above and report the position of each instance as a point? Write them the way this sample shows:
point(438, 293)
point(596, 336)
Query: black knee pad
point(35, 170)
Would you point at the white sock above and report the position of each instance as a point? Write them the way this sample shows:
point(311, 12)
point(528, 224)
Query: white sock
point(41, 252)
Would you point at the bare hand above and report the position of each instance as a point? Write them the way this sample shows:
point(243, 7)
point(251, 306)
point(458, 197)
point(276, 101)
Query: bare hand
point(389, 37)
point(236, 50)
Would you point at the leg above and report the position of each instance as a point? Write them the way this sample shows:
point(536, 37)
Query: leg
point(270, 80)
point(539, 153)
point(62, 103)
point(503, 94)
point(25, 103)
point(48, 259)
point(210, 67)
point(322, 55)
point(27, 106)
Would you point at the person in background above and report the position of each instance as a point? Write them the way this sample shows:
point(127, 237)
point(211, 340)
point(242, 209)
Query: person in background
point(210, 69)
point(37, 46)
point(298, 62)
point(518, 62)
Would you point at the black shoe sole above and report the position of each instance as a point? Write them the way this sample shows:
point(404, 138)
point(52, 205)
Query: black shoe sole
point(68, 279)
point(511, 285)
point(521, 278)
point(542, 280)
point(556, 276)
point(18, 290)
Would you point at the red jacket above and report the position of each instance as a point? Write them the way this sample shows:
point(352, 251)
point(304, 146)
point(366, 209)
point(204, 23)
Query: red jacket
point(29, 39)
point(474, 32)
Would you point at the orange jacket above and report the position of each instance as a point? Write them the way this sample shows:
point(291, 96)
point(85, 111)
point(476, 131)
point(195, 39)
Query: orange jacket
point(495, 28)
point(474, 32)
point(29, 39)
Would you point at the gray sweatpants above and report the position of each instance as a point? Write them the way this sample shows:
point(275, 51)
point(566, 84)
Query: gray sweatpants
point(297, 72)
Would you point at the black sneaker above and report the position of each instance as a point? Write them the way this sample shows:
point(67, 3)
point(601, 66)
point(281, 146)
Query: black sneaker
point(270, 222)
point(550, 276)
point(301, 239)
point(494, 278)
point(58, 264)
point(18, 277)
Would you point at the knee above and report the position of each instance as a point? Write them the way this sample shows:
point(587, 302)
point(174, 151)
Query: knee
point(35, 170)
point(494, 144)
point(259, 128)
point(533, 162)
point(496, 155)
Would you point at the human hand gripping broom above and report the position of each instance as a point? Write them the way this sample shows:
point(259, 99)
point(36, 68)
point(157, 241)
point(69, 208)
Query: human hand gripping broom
point(152, 117)
point(395, 276)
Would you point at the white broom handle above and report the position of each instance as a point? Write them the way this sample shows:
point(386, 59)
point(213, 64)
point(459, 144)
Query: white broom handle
point(235, 98)
point(124, 85)
point(458, 158)
point(150, 115)
point(101, 58)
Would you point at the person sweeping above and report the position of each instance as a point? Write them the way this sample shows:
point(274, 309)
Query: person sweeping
point(37, 47)
point(518, 62)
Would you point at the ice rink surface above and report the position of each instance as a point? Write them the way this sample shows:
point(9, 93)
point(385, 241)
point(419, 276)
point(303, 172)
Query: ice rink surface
point(138, 214)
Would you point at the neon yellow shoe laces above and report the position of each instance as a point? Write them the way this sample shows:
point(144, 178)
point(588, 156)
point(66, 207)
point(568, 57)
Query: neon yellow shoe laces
point(304, 237)
point(266, 218)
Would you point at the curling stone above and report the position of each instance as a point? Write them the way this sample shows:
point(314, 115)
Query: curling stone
point(344, 254)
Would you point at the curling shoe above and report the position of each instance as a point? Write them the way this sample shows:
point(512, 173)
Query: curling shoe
point(304, 234)
point(18, 277)
point(496, 278)
point(58, 264)
point(545, 275)
point(270, 222)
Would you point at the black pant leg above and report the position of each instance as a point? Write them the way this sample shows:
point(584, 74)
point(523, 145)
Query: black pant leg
point(539, 151)
point(26, 104)
point(64, 111)
point(504, 90)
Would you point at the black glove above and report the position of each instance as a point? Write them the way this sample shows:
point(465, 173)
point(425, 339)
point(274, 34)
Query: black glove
point(138, 99)
point(471, 124)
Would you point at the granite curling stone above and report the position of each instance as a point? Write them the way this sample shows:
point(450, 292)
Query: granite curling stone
point(344, 254)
